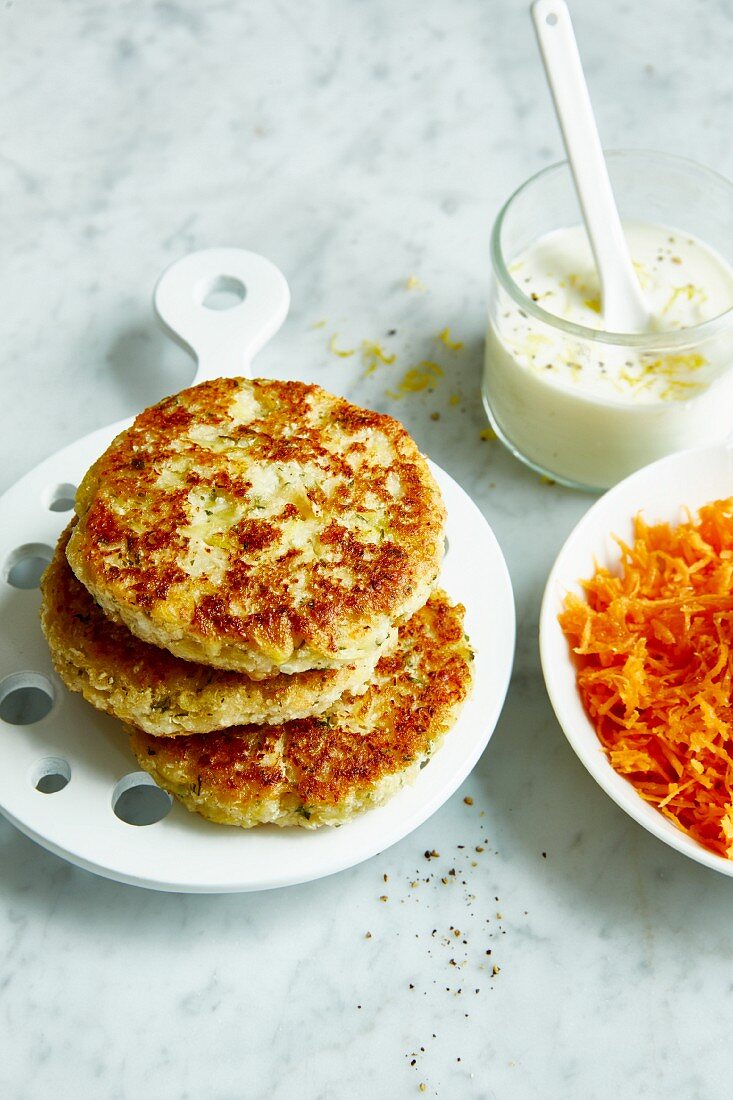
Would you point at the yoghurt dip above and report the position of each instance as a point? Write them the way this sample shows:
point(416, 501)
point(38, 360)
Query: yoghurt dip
point(587, 406)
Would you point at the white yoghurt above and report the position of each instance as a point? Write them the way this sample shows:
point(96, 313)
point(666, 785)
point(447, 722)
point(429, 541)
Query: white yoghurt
point(591, 410)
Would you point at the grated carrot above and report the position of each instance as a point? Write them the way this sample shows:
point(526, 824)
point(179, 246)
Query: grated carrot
point(654, 650)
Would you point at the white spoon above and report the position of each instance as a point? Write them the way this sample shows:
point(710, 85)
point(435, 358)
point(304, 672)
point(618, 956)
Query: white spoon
point(623, 306)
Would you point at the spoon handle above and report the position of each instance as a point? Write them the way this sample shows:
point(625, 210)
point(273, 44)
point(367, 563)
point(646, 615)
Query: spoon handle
point(624, 309)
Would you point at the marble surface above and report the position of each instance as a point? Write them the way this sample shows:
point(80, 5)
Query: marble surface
point(356, 144)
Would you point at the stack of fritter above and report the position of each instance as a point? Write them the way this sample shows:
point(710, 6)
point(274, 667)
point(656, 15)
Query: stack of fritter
point(248, 584)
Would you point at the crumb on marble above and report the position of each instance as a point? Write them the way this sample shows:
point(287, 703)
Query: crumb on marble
point(445, 338)
point(416, 379)
point(342, 353)
point(373, 355)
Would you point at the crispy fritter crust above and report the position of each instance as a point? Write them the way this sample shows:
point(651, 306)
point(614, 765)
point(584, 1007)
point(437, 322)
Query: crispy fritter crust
point(160, 693)
point(323, 771)
point(259, 525)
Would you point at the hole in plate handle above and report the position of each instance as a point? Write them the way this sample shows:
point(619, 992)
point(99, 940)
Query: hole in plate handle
point(225, 292)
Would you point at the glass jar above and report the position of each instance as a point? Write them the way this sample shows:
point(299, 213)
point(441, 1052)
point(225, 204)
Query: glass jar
point(562, 423)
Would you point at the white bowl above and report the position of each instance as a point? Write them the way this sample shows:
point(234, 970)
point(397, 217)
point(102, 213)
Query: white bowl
point(662, 492)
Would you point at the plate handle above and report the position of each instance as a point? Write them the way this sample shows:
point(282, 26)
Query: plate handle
point(222, 305)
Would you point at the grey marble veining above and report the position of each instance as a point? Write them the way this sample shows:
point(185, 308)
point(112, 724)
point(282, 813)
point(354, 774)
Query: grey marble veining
point(356, 144)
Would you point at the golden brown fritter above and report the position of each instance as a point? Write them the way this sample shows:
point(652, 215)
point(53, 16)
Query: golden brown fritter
point(323, 771)
point(259, 525)
point(160, 693)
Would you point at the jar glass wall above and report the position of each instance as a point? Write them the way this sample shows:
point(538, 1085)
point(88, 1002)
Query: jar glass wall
point(558, 421)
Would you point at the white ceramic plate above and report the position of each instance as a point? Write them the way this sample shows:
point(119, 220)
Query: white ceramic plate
point(662, 492)
point(182, 851)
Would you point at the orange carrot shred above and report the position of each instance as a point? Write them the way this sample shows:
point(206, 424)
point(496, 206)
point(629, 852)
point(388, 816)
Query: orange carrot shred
point(654, 653)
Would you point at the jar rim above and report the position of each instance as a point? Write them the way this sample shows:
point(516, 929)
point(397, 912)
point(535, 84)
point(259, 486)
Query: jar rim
point(645, 340)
